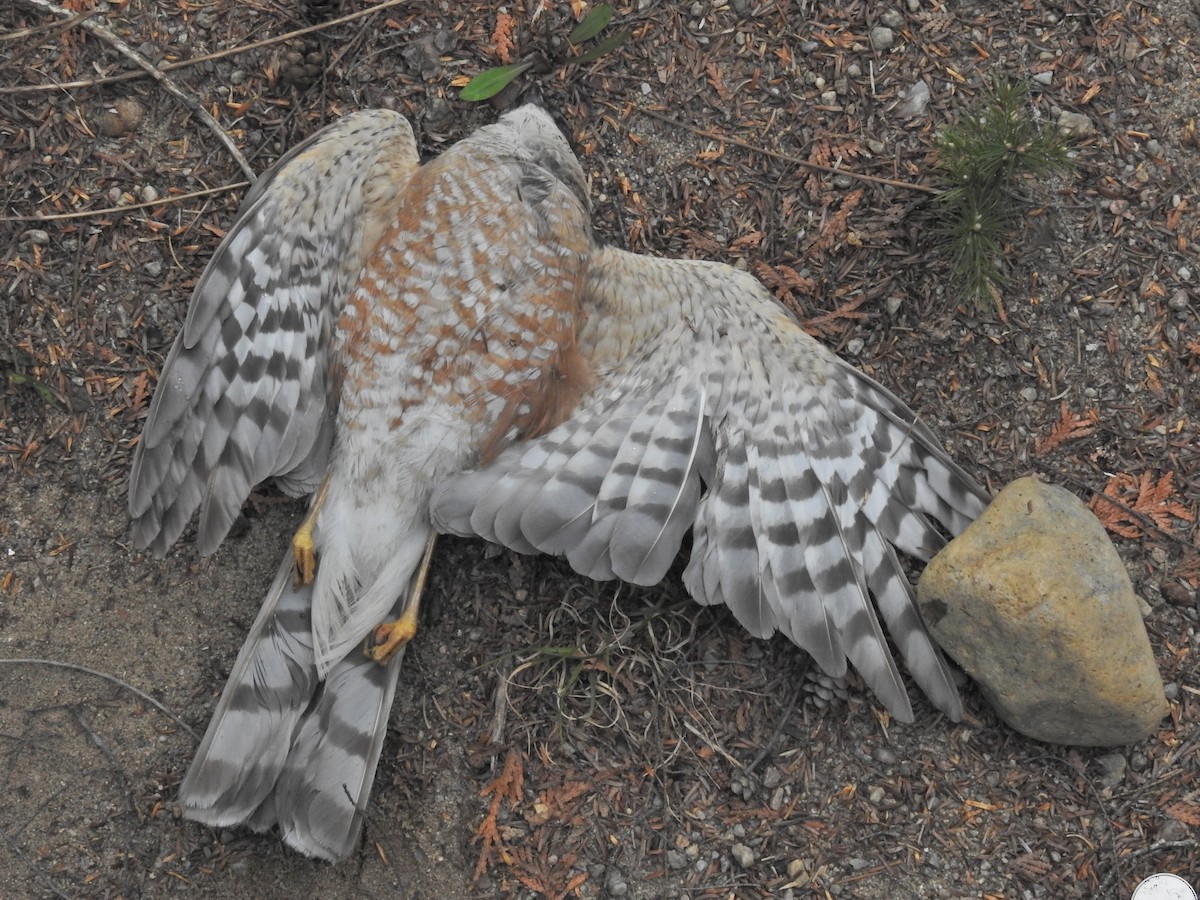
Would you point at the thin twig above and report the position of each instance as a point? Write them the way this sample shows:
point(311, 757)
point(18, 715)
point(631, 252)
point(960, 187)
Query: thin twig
point(52, 29)
point(785, 157)
point(113, 210)
point(193, 105)
point(207, 57)
point(114, 763)
point(111, 678)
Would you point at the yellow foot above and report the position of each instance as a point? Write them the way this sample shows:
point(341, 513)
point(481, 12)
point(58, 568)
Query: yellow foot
point(382, 643)
point(386, 639)
point(303, 551)
point(305, 557)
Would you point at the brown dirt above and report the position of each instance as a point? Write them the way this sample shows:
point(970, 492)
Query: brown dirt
point(653, 737)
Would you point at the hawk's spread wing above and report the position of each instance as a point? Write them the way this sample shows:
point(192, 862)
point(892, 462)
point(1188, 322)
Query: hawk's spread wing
point(714, 410)
point(245, 391)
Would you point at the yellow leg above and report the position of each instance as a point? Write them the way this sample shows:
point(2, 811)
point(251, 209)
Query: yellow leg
point(303, 551)
point(382, 643)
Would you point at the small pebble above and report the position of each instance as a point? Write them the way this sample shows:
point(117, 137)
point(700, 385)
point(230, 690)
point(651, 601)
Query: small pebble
point(916, 99)
point(1074, 124)
point(885, 756)
point(1028, 394)
point(1184, 273)
point(742, 855)
point(616, 885)
point(1043, 77)
point(37, 237)
point(1112, 769)
point(893, 19)
point(882, 38)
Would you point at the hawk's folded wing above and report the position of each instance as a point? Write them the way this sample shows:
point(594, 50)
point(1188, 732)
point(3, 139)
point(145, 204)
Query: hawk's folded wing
point(245, 392)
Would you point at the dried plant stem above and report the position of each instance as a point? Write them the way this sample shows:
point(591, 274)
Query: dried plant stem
point(207, 57)
point(774, 154)
point(53, 663)
point(116, 210)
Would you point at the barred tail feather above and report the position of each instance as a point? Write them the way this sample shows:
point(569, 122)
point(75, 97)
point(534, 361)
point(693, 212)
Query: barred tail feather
point(323, 789)
point(248, 740)
point(284, 748)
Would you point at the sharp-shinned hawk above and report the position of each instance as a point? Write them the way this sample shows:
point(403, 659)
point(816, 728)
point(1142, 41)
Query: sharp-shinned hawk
point(446, 348)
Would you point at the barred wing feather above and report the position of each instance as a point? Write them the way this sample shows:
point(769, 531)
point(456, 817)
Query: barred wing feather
point(798, 474)
point(245, 393)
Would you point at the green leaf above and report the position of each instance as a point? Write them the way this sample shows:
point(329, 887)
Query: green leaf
point(593, 23)
point(48, 396)
point(488, 84)
point(610, 43)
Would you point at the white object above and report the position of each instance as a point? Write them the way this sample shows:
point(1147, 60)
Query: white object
point(1163, 886)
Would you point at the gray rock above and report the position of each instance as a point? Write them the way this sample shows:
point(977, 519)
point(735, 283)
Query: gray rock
point(616, 885)
point(882, 38)
point(1074, 124)
point(916, 99)
point(743, 855)
point(893, 19)
point(1034, 603)
point(1112, 769)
